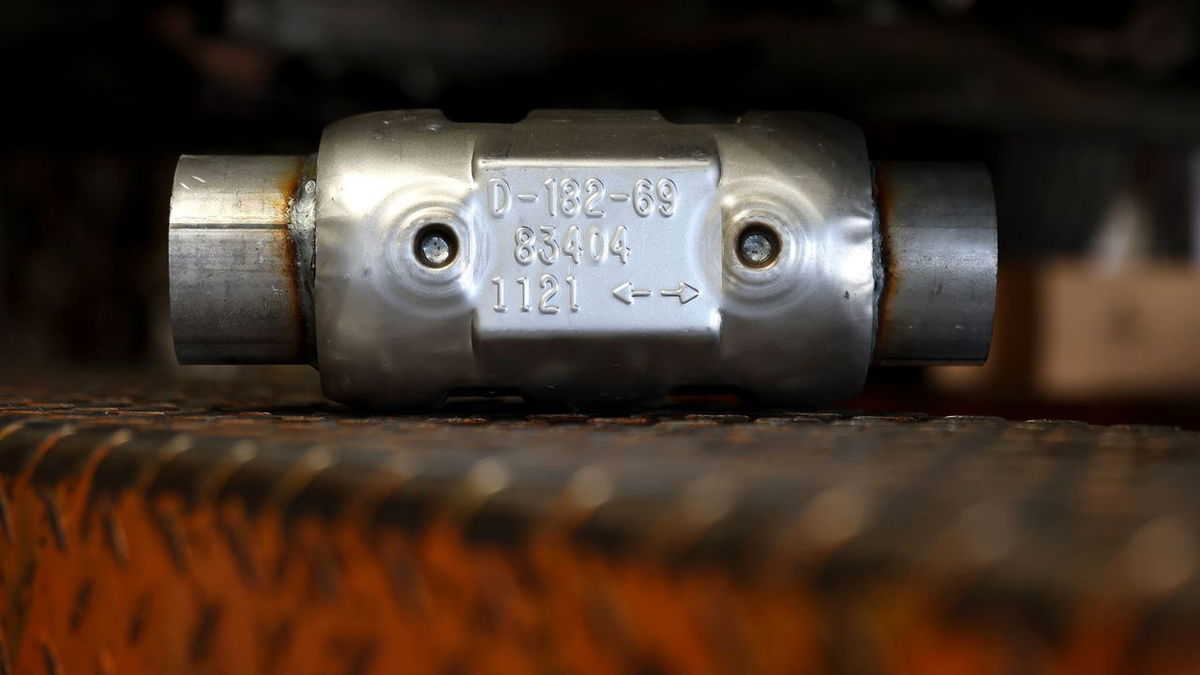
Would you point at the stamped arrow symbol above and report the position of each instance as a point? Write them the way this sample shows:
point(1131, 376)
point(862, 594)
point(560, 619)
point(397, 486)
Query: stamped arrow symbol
point(685, 292)
point(626, 293)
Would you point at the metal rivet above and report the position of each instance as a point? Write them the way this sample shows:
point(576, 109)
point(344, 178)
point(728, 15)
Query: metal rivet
point(436, 246)
point(758, 245)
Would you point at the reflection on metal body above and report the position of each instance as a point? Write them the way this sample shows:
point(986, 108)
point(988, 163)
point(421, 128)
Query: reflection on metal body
point(589, 257)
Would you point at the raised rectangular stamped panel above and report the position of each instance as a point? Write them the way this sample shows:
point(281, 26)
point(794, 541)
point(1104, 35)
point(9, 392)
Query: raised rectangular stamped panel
point(600, 249)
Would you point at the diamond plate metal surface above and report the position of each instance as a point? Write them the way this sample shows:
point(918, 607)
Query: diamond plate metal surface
point(203, 530)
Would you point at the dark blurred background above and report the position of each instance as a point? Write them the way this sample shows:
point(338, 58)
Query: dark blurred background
point(1087, 112)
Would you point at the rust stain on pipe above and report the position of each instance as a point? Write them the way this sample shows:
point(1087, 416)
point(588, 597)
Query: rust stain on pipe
point(288, 192)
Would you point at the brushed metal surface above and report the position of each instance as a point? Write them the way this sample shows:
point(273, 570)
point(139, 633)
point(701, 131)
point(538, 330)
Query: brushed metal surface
point(240, 260)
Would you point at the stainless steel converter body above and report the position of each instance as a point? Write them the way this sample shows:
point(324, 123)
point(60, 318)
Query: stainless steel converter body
point(583, 257)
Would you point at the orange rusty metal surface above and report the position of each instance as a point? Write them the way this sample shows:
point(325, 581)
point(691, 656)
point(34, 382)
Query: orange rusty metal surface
point(169, 533)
